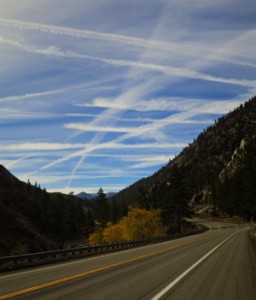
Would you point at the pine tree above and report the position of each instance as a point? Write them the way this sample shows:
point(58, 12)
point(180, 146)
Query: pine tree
point(113, 211)
point(174, 204)
point(102, 208)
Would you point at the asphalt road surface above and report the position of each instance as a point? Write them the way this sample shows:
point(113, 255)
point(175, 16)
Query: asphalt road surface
point(218, 264)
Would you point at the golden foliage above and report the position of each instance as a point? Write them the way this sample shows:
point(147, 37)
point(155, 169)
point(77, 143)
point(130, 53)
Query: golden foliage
point(142, 224)
point(96, 237)
point(113, 233)
point(138, 224)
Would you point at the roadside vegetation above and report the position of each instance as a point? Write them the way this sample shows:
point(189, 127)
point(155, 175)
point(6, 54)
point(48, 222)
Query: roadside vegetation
point(137, 225)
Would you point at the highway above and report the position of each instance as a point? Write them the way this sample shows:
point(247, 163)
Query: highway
point(218, 264)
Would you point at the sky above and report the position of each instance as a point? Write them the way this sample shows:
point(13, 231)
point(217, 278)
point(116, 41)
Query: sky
point(101, 93)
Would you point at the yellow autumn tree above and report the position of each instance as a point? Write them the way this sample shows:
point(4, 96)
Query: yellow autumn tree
point(113, 233)
point(142, 224)
point(138, 224)
point(96, 237)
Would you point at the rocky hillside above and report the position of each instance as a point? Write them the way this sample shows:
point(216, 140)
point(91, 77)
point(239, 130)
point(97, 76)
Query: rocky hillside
point(219, 152)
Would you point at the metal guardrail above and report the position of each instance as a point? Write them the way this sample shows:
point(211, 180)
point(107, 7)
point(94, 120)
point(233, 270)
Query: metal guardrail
point(16, 261)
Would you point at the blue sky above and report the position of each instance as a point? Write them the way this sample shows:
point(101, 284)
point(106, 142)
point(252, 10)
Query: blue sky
point(98, 93)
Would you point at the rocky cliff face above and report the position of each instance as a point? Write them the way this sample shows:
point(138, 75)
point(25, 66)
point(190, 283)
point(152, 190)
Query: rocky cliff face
point(235, 162)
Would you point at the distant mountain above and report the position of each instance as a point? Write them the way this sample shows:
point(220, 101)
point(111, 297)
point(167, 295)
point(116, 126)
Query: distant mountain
point(219, 165)
point(110, 194)
point(87, 196)
point(33, 220)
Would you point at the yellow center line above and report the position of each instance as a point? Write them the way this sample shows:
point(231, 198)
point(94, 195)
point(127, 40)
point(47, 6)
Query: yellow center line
point(93, 271)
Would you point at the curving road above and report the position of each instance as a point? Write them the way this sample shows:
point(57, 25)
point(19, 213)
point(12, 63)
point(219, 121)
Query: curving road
point(218, 264)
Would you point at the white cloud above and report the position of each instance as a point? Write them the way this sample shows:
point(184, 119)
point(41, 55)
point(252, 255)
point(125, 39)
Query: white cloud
point(168, 104)
point(152, 129)
point(27, 96)
point(85, 127)
point(112, 145)
point(8, 114)
point(151, 161)
point(218, 107)
point(182, 72)
point(39, 146)
point(60, 146)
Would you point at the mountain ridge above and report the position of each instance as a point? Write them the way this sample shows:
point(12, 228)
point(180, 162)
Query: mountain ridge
point(7, 174)
point(219, 149)
point(32, 220)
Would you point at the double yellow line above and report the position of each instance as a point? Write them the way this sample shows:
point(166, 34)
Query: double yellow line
point(93, 271)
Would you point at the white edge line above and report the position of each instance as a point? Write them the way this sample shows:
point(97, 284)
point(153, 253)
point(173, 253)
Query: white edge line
point(175, 281)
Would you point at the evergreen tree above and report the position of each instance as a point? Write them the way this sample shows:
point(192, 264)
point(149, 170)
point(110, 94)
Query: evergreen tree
point(113, 211)
point(122, 210)
point(141, 200)
point(102, 208)
point(174, 204)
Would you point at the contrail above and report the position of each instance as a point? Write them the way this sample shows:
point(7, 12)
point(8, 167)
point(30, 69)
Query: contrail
point(180, 72)
point(173, 71)
point(28, 96)
point(138, 42)
point(117, 38)
point(89, 34)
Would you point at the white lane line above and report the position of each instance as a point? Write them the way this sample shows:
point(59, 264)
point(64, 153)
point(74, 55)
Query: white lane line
point(175, 281)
